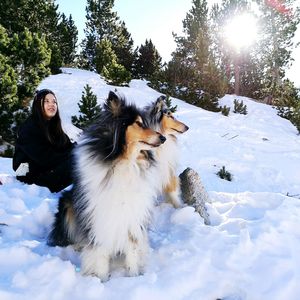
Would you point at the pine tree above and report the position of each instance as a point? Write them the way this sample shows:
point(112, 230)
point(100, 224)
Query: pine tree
point(279, 26)
point(295, 119)
point(194, 62)
point(251, 74)
point(123, 45)
point(68, 36)
point(53, 38)
point(102, 23)
point(148, 63)
point(23, 63)
point(239, 107)
point(38, 16)
point(8, 98)
point(30, 57)
point(225, 110)
point(175, 78)
point(224, 174)
point(107, 64)
point(32, 14)
point(287, 102)
point(88, 108)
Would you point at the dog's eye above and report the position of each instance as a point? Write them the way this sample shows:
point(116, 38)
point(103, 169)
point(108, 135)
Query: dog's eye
point(169, 115)
point(140, 124)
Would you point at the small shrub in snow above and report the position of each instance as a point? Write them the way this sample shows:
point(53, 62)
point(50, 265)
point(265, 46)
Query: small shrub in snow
point(224, 174)
point(239, 107)
point(225, 110)
point(88, 108)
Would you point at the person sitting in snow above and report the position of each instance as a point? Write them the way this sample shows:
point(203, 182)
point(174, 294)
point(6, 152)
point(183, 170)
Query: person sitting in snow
point(43, 150)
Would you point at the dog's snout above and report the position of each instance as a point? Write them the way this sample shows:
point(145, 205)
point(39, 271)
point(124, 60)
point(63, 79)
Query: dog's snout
point(162, 139)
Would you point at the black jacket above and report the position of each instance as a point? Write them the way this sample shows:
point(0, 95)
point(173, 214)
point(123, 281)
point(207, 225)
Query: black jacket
point(43, 157)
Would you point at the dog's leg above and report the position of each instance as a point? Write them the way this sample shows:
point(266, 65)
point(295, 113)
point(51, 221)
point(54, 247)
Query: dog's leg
point(135, 254)
point(143, 251)
point(172, 191)
point(132, 256)
point(64, 226)
point(95, 262)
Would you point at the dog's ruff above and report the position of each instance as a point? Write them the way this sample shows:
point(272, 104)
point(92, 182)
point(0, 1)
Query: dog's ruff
point(113, 193)
point(160, 118)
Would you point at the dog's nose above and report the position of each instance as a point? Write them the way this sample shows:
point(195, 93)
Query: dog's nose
point(186, 128)
point(162, 139)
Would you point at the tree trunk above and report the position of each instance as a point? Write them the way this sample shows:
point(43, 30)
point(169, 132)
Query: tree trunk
point(236, 75)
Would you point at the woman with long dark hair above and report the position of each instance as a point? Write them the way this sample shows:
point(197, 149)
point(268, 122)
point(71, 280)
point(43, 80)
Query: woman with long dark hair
point(43, 150)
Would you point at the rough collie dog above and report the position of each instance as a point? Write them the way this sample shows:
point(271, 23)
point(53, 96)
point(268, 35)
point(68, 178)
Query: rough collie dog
point(160, 118)
point(107, 211)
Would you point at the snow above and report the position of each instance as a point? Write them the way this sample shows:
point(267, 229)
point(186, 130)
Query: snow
point(250, 250)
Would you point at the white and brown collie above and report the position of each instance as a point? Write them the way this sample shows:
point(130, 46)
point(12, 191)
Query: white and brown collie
point(160, 118)
point(107, 211)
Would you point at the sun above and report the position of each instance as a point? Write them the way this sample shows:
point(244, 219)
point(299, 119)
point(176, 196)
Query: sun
point(241, 31)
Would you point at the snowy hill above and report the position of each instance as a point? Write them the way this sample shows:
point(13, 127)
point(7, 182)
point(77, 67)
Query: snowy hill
point(251, 250)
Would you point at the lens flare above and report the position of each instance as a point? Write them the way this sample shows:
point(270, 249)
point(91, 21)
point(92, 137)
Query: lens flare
point(241, 31)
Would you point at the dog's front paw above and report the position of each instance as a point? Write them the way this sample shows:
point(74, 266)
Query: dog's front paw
point(101, 275)
point(175, 201)
point(134, 271)
point(95, 262)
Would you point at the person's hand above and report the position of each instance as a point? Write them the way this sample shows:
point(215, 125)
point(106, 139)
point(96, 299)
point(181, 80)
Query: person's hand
point(23, 169)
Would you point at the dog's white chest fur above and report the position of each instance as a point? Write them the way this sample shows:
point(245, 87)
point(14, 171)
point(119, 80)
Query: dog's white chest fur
point(119, 198)
point(167, 157)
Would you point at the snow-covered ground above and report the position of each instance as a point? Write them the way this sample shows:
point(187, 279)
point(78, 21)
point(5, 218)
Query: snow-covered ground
point(251, 250)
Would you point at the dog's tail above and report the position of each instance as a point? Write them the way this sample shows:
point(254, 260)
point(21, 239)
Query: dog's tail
point(64, 226)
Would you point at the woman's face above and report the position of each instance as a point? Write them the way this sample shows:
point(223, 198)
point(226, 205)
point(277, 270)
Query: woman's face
point(50, 106)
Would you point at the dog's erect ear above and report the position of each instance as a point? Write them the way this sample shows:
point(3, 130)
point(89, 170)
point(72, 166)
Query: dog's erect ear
point(113, 104)
point(159, 105)
point(161, 98)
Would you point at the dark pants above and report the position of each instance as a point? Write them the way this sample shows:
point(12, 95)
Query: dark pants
point(55, 180)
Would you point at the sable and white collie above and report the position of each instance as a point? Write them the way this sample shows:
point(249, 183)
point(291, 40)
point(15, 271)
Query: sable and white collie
point(107, 211)
point(160, 118)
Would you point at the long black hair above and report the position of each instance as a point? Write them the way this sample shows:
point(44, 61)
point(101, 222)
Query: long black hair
point(52, 128)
